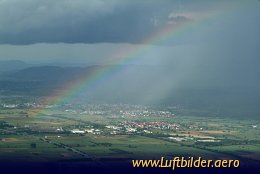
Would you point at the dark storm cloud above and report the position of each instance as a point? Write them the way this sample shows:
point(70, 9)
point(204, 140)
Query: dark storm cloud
point(74, 21)
point(94, 21)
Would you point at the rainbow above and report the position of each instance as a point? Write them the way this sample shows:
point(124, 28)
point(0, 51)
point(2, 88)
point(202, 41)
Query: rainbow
point(124, 56)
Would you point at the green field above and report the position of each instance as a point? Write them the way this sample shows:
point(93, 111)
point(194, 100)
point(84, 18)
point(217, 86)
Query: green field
point(48, 136)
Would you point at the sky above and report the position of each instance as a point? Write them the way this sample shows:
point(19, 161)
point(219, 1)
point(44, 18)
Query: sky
point(92, 31)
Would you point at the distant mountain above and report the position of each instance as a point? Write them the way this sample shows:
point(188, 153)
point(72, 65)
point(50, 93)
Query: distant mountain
point(54, 74)
point(12, 65)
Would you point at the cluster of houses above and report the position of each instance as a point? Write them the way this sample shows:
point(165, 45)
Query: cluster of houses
point(150, 125)
point(146, 113)
point(128, 127)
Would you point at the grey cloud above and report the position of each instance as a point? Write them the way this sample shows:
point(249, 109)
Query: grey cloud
point(81, 21)
point(91, 21)
point(177, 19)
point(17, 15)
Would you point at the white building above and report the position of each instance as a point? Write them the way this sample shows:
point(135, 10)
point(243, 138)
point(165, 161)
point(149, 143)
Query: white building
point(77, 131)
